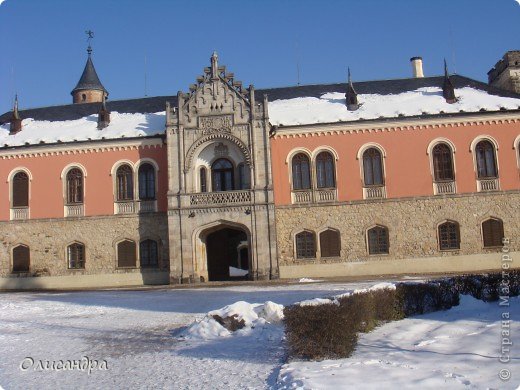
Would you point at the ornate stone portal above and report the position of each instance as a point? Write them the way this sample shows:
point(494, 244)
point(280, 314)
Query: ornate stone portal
point(219, 174)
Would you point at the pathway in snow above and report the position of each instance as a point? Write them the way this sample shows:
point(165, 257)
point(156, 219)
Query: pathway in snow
point(136, 333)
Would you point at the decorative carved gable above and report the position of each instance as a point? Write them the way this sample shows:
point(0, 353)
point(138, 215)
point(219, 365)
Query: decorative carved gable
point(216, 102)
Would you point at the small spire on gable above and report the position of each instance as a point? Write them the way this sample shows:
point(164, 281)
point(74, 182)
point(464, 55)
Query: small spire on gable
point(15, 124)
point(214, 65)
point(103, 115)
point(351, 99)
point(448, 91)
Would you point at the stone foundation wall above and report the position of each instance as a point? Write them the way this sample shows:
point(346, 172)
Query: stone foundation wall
point(412, 225)
point(48, 240)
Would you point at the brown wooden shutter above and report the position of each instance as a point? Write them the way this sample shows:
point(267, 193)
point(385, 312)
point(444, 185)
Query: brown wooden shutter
point(21, 259)
point(126, 256)
point(21, 190)
point(330, 243)
point(492, 232)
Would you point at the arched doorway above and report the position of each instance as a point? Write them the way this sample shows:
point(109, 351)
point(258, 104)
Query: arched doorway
point(227, 253)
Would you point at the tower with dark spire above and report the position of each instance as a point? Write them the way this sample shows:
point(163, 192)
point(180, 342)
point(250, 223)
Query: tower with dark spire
point(351, 95)
point(89, 88)
point(15, 124)
point(448, 91)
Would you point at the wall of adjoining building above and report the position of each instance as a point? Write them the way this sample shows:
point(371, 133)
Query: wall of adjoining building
point(49, 238)
point(412, 225)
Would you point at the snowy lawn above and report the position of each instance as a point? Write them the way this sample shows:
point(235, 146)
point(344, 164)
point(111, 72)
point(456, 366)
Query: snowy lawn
point(458, 348)
point(149, 339)
point(137, 333)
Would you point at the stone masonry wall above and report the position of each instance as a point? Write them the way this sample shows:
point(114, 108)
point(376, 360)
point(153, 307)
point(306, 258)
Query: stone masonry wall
point(412, 225)
point(48, 239)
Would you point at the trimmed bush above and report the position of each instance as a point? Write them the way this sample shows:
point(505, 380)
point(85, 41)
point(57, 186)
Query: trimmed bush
point(319, 332)
point(330, 331)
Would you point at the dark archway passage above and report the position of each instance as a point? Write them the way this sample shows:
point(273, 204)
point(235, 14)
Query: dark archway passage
point(227, 254)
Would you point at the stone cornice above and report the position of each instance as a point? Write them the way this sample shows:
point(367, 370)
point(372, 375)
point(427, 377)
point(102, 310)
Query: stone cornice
point(397, 124)
point(82, 147)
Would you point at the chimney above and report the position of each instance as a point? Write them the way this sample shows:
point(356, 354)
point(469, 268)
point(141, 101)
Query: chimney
point(103, 115)
point(417, 67)
point(15, 125)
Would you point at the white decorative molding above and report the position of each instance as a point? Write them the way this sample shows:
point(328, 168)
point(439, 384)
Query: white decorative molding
point(220, 198)
point(19, 213)
point(68, 148)
point(74, 210)
point(374, 192)
point(484, 185)
point(444, 187)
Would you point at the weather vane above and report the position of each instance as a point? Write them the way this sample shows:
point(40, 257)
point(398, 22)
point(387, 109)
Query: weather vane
point(90, 35)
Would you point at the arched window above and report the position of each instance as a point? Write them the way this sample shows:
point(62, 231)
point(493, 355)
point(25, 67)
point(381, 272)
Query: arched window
point(74, 186)
point(330, 243)
point(146, 182)
point(492, 233)
point(378, 242)
point(486, 160)
point(126, 256)
point(148, 254)
point(76, 256)
point(21, 258)
point(443, 163)
point(222, 178)
point(372, 167)
point(243, 177)
point(20, 195)
point(449, 236)
point(203, 180)
point(305, 245)
point(325, 170)
point(125, 183)
point(301, 173)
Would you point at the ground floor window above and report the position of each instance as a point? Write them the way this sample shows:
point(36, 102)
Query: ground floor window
point(378, 242)
point(126, 256)
point(21, 259)
point(449, 236)
point(305, 245)
point(76, 256)
point(148, 253)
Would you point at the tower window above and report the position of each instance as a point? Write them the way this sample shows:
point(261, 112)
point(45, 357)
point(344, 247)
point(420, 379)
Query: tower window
point(83, 97)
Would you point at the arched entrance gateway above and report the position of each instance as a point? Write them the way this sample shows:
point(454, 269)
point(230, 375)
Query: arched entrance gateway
point(227, 255)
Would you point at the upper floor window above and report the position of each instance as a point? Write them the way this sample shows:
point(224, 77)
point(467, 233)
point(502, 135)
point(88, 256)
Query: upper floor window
point(21, 258)
point(325, 170)
point(203, 180)
point(486, 160)
point(377, 239)
point(125, 183)
point(20, 194)
point(146, 182)
point(443, 163)
point(148, 253)
point(492, 233)
point(449, 236)
point(222, 178)
point(126, 256)
point(330, 243)
point(301, 174)
point(243, 177)
point(372, 167)
point(305, 245)
point(76, 256)
point(74, 186)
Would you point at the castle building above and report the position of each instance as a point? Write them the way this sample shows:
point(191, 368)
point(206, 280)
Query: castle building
point(224, 182)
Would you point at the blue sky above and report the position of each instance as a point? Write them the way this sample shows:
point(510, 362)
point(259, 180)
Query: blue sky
point(44, 42)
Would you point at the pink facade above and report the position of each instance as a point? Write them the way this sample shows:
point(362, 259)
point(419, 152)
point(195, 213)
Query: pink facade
point(407, 166)
point(46, 199)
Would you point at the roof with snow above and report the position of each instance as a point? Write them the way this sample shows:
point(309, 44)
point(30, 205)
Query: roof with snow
point(89, 78)
point(289, 106)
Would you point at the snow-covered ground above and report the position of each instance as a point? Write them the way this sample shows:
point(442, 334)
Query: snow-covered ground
point(148, 340)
